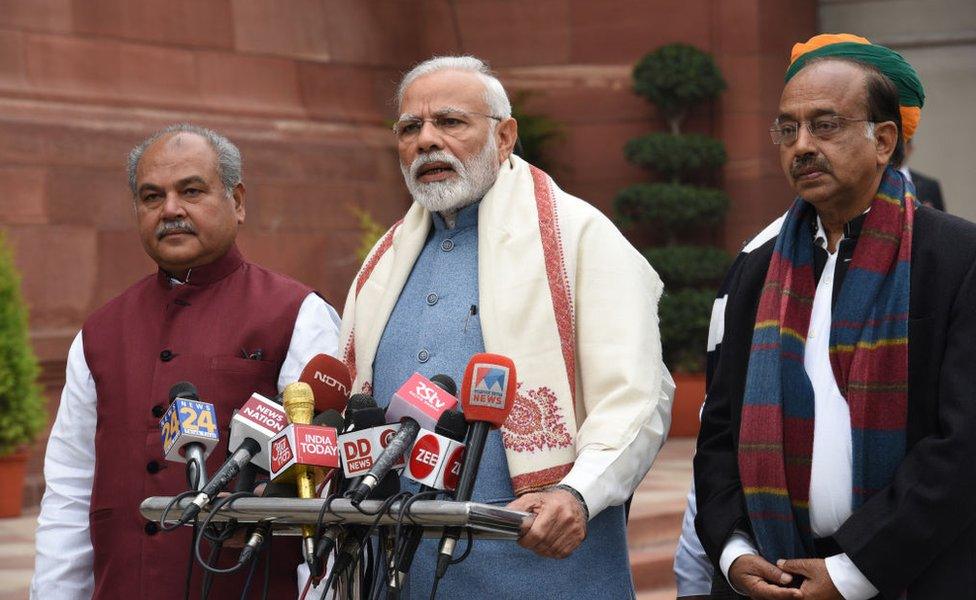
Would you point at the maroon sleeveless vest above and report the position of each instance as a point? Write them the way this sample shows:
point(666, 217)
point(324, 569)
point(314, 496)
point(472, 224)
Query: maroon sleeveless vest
point(137, 346)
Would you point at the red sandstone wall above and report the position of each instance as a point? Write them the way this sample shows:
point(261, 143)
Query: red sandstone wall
point(303, 87)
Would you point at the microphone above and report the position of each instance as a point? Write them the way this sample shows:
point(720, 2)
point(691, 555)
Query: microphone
point(329, 380)
point(488, 394)
point(314, 445)
point(443, 467)
point(252, 426)
point(418, 402)
point(299, 404)
point(189, 432)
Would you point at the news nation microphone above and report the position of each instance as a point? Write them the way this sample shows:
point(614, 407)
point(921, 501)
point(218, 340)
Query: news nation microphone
point(329, 379)
point(488, 394)
point(418, 403)
point(189, 432)
point(252, 427)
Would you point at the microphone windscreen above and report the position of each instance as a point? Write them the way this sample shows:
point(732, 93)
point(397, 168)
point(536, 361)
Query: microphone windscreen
point(183, 389)
point(488, 388)
point(452, 424)
point(329, 418)
point(330, 382)
point(445, 383)
point(359, 401)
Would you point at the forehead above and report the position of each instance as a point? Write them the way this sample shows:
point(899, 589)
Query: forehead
point(440, 89)
point(177, 156)
point(825, 87)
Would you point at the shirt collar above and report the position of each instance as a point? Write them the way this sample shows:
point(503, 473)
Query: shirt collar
point(465, 218)
point(852, 229)
point(206, 274)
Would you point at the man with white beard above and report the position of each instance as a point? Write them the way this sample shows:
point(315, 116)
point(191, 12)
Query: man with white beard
point(492, 256)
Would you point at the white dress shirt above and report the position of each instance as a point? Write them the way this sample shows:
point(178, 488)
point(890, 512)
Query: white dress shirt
point(63, 565)
point(831, 466)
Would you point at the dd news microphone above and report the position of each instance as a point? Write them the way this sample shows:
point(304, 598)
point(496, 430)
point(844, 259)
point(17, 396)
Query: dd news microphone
point(189, 432)
point(418, 403)
point(251, 428)
point(435, 462)
point(487, 394)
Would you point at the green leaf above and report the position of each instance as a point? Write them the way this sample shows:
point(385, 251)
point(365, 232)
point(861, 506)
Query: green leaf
point(685, 315)
point(676, 76)
point(670, 206)
point(676, 156)
point(689, 266)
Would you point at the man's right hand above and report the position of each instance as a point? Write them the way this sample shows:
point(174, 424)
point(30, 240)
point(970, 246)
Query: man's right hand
point(753, 576)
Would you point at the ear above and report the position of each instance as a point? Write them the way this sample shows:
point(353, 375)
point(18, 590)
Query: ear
point(505, 135)
point(886, 139)
point(239, 197)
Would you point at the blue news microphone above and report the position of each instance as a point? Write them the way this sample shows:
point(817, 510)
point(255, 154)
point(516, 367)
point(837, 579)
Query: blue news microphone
point(189, 432)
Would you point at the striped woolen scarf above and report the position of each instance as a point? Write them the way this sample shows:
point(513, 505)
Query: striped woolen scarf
point(869, 356)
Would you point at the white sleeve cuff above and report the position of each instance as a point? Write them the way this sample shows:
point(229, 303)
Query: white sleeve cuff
point(848, 579)
point(739, 544)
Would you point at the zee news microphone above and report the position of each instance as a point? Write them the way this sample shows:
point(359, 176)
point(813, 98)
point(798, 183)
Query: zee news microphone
point(418, 402)
point(189, 432)
point(487, 394)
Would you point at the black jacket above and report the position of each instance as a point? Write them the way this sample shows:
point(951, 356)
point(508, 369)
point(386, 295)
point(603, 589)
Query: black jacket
point(919, 533)
point(927, 190)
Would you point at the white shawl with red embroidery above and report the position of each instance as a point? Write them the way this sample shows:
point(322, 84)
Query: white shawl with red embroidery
point(564, 295)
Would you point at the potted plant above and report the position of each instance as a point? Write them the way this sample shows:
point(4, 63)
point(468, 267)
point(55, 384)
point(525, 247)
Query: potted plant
point(680, 213)
point(22, 411)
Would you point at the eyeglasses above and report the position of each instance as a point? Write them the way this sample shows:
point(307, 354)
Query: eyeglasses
point(822, 128)
point(454, 123)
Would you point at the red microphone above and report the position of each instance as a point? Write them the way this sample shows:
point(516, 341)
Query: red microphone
point(330, 382)
point(487, 395)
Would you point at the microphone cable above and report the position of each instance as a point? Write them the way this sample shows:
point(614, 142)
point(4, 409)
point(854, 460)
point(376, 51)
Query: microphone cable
point(464, 555)
point(232, 524)
point(400, 541)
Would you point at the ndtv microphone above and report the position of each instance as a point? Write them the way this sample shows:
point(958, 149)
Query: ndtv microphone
point(418, 403)
point(330, 382)
point(189, 432)
point(488, 394)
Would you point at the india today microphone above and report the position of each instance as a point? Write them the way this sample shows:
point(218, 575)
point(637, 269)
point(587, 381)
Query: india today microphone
point(299, 404)
point(418, 403)
point(252, 426)
point(189, 432)
point(487, 394)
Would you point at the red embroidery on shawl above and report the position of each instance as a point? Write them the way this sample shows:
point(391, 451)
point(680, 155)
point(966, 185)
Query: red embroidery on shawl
point(364, 272)
point(556, 271)
point(535, 422)
point(367, 388)
point(537, 480)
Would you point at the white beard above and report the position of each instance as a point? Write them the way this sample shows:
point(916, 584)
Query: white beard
point(473, 180)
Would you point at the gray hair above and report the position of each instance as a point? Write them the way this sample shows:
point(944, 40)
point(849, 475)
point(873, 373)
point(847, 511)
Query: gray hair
point(229, 164)
point(495, 96)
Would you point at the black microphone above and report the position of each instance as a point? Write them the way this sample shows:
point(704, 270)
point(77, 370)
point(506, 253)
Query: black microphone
point(255, 424)
point(451, 425)
point(418, 402)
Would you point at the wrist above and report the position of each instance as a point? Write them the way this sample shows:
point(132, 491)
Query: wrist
point(579, 498)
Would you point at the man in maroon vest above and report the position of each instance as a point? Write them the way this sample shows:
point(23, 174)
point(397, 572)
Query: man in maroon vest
point(207, 316)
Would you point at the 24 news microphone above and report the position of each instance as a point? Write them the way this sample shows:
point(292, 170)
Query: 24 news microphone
point(418, 403)
point(487, 394)
point(189, 432)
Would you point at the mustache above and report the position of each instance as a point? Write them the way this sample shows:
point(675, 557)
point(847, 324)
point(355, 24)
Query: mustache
point(803, 164)
point(169, 227)
point(437, 156)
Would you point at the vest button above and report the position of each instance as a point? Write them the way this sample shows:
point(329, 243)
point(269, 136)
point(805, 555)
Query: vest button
point(158, 411)
point(423, 356)
point(152, 528)
point(447, 245)
point(431, 299)
point(166, 355)
point(152, 467)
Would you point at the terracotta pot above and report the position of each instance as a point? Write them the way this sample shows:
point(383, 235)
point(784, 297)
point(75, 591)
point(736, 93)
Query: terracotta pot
point(688, 398)
point(13, 468)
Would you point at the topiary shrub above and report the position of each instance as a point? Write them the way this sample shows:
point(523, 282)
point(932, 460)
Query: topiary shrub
point(676, 77)
point(22, 410)
point(676, 157)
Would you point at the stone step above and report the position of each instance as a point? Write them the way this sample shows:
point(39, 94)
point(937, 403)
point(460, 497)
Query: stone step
point(651, 528)
point(652, 566)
